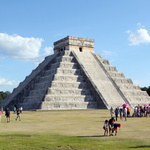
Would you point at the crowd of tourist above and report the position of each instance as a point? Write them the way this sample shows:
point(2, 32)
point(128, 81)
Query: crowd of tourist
point(110, 126)
point(141, 111)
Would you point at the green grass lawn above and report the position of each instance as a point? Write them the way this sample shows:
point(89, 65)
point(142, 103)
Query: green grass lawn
point(71, 130)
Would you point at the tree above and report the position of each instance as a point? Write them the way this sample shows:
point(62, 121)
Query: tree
point(3, 95)
point(147, 89)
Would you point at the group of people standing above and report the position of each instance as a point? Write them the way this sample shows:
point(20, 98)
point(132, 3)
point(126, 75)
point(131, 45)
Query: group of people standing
point(17, 111)
point(122, 112)
point(141, 111)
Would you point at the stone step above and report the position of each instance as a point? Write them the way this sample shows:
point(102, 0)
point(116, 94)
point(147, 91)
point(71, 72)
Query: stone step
point(51, 71)
point(41, 86)
point(122, 80)
point(110, 68)
point(105, 62)
point(135, 100)
point(134, 93)
point(68, 91)
point(128, 86)
point(31, 106)
point(80, 85)
point(116, 74)
point(37, 92)
point(72, 78)
point(46, 79)
point(33, 99)
point(69, 65)
point(139, 98)
point(68, 105)
point(64, 59)
point(80, 98)
point(68, 71)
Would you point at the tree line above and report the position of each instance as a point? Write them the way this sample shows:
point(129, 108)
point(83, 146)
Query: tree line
point(147, 89)
point(3, 95)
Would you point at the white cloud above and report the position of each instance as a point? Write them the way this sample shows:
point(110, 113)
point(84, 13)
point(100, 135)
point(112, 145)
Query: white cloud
point(24, 48)
point(140, 36)
point(5, 82)
point(108, 53)
point(139, 24)
point(47, 51)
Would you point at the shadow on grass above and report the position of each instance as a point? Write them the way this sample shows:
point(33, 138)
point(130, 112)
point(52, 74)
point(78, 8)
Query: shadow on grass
point(94, 136)
point(144, 146)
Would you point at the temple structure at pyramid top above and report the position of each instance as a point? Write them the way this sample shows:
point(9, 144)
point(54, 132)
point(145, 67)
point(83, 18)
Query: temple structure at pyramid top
point(74, 43)
point(75, 77)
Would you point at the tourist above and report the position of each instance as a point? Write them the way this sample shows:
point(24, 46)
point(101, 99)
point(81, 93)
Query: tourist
point(116, 113)
point(111, 112)
point(141, 111)
point(145, 111)
point(121, 113)
point(125, 113)
point(138, 111)
point(110, 124)
point(128, 111)
point(115, 128)
point(7, 114)
point(15, 109)
point(105, 127)
point(135, 112)
point(21, 109)
point(18, 115)
point(148, 112)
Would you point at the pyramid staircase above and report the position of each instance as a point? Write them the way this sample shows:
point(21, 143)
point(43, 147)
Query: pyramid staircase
point(60, 86)
point(68, 88)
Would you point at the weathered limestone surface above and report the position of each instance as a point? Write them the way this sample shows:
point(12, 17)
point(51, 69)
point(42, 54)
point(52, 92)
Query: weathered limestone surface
point(22, 92)
point(132, 92)
point(100, 79)
point(68, 89)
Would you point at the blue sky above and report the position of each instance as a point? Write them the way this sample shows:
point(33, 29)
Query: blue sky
point(29, 28)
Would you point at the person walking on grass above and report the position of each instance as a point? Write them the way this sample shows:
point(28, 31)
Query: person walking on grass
point(18, 115)
point(111, 112)
point(7, 114)
point(116, 113)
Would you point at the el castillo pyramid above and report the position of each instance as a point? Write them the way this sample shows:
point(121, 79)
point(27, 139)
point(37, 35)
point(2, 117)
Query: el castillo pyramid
point(75, 77)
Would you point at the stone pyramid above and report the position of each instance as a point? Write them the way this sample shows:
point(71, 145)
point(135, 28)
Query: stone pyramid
point(75, 77)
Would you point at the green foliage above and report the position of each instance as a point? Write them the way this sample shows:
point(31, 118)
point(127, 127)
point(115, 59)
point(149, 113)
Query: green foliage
point(147, 89)
point(3, 95)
